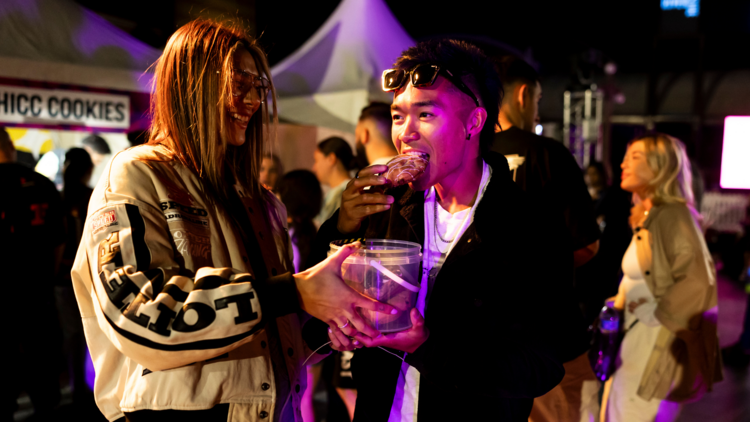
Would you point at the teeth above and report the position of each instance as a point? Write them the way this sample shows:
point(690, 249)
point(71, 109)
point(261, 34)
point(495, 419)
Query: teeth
point(423, 155)
point(241, 118)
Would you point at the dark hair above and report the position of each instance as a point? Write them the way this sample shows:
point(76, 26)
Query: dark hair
point(75, 193)
point(514, 70)
point(338, 146)
point(6, 144)
point(465, 60)
point(78, 163)
point(599, 167)
point(380, 113)
point(97, 144)
point(301, 193)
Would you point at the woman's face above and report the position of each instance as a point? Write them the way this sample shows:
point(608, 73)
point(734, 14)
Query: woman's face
point(268, 172)
point(245, 97)
point(636, 173)
point(323, 166)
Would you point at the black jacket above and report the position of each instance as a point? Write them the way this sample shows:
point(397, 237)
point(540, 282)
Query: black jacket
point(487, 355)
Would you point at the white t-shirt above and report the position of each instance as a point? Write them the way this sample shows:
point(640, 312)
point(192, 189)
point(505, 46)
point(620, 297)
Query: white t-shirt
point(451, 227)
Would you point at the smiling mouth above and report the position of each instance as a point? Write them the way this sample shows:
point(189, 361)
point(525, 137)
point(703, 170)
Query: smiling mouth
point(240, 118)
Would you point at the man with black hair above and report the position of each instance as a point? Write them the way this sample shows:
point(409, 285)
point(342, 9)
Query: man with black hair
point(373, 135)
point(554, 183)
point(31, 242)
point(479, 352)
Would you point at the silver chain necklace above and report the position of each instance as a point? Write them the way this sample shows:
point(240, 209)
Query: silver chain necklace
point(435, 225)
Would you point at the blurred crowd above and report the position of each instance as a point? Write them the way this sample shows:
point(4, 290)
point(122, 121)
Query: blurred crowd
point(43, 223)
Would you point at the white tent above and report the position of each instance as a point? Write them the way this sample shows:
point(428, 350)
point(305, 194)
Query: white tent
point(56, 51)
point(59, 41)
point(328, 80)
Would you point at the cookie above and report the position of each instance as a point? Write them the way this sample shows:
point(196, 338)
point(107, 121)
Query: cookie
point(406, 168)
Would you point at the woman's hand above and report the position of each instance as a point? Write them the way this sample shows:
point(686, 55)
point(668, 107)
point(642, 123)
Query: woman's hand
point(323, 294)
point(357, 203)
point(342, 342)
point(632, 305)
point(406, 341)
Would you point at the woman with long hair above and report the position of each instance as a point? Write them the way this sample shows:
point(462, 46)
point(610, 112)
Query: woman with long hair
point(670, 352)
point(184, 276)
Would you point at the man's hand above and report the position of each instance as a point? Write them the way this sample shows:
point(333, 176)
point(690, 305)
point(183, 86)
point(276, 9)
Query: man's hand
point(356, 203)
point(406, 341)
point(323, 294)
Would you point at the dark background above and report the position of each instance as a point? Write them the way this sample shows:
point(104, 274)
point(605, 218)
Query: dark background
point(562, 38)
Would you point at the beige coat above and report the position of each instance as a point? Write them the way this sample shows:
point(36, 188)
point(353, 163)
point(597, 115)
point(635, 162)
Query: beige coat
point(169, 303)
point(680, 273)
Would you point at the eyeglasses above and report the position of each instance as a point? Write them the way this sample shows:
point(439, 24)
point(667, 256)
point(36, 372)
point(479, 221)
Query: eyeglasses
point(244, 81)
point(422, 75)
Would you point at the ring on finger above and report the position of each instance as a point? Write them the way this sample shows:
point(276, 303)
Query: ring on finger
point(345, 325)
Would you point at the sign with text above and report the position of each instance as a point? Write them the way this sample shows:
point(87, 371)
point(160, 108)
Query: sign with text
point(57, 106)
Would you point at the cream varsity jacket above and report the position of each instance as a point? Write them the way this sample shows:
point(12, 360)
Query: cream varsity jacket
point(171, 310)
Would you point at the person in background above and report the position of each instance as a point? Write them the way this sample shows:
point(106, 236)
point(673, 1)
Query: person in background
point(550, 176)
point(595, 178)
point(100, 153)
point(31, 243)
point(373, 135)
point(670, 352)
point(76, 194)
point(184, 279)
point(270, 172)
point(300, 192)
point(333, 160)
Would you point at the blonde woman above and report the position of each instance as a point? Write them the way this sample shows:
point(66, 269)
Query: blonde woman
point(670, 352)
point(184, 277)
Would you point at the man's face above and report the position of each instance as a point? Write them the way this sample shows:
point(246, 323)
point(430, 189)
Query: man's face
point(433, 120)
point(359, 133)
point(531, 109)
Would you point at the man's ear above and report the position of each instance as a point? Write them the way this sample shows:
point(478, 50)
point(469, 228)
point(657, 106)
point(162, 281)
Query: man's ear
point(522, 92)
point(331, 158)
point(365, 136)
point(478, 119)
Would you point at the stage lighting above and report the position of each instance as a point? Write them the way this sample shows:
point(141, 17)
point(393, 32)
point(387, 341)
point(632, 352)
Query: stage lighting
point(735, 171)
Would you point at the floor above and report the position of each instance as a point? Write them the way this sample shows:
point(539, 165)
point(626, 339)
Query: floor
point(730, 399)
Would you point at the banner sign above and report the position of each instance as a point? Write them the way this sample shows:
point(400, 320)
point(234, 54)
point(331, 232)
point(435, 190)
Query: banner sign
point(57, 106)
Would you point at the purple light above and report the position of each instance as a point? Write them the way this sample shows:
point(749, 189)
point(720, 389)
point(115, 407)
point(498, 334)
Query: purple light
point(90, 371)
point(735, 172)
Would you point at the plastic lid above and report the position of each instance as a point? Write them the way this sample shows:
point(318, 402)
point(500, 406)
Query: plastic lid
point(383, 250)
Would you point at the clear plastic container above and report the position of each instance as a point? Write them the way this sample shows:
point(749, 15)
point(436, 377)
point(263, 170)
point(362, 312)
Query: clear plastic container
point(387, 271)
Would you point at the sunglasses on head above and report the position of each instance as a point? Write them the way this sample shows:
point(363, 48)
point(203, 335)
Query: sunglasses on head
point(422, 75)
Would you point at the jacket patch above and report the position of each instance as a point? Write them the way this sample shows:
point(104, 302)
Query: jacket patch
point(174, 212)
point(191, 244)
point(103, 220)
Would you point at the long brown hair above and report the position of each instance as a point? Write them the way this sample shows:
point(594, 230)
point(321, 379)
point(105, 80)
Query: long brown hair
point(191, 95)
